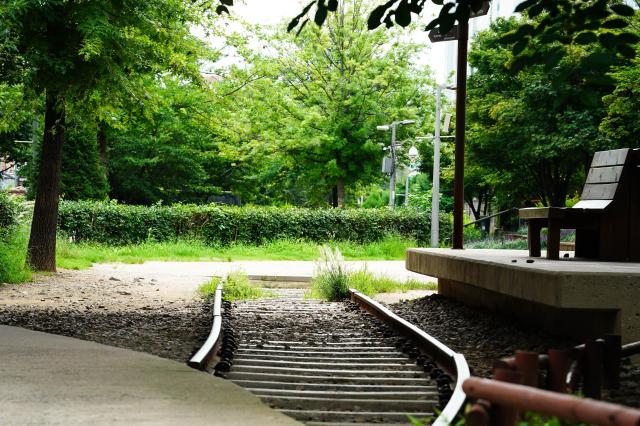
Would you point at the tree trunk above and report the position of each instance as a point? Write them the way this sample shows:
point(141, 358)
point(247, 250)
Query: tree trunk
point(102, 146)
point(340, 193)
point(42, 243)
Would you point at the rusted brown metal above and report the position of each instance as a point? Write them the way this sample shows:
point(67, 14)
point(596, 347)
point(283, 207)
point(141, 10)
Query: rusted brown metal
point(478, 414)
point(505, 414)
point(527, 364)
point(612, 361)
point(548, 403)
point(559, 365)
point(592, 372)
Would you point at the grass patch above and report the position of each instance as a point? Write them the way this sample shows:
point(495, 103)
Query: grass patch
point(498, 244)
point(367, 283)
point(208, 290)
point(13, 253)
point(236, 287)
point(333, 280)
point(83, 255)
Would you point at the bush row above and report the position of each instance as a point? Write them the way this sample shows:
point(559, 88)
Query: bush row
point(119, 224)
point(8, 212)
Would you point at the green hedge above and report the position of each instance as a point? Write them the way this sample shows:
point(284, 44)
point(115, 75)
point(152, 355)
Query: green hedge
point(119, 224)
point(8, 212)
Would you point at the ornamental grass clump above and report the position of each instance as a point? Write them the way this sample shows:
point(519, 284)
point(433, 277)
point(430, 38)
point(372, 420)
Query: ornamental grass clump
point(332, 278)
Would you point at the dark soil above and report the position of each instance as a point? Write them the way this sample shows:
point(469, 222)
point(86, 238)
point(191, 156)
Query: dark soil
point(173, 332)
point(483, 337)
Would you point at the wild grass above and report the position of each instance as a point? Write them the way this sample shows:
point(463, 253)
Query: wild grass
point(238, 287)
point(208, 290)
point(370, 284)
point(333, 280)
point(13, 253)
point(83, 255)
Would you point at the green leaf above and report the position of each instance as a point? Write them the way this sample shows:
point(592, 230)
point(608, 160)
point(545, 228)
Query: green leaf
point(586, 37)
point(622, 9)
point(520, 46)
point(615, 23)
point(403, 14)
point(524, 5)
point(321, 14)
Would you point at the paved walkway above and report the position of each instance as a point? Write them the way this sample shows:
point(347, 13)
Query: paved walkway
point(55, 380)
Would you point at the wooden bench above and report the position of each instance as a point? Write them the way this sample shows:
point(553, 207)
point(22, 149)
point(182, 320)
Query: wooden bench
point(607, 218)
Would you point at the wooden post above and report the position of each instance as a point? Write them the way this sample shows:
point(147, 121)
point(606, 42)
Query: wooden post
point(461, 112)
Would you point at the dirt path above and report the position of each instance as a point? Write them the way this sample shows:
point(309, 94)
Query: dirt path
point(158, 314)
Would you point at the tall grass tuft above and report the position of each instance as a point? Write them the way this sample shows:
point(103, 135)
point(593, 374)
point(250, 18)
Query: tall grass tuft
point(332, 278)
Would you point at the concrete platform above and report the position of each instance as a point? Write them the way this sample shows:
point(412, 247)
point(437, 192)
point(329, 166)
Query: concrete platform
point(47, 379)
point(570, 297)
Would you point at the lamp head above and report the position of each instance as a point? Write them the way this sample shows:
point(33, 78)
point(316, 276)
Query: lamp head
point(383, 128)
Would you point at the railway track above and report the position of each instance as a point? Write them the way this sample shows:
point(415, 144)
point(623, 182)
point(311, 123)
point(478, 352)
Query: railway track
point(327, 363)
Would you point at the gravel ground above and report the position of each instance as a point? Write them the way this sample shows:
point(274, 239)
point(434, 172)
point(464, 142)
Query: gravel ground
point(483, 336)
point(115, 309)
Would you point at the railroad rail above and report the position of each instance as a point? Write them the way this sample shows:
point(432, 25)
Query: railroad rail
point(330, 363)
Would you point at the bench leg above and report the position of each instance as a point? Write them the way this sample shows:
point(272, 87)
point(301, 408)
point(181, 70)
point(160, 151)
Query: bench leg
point(553, 240)
point(533, 238)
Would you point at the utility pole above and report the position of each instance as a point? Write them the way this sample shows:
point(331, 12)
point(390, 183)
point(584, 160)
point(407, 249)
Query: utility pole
point(461, 111)
point(435, 193)
point(392, 180)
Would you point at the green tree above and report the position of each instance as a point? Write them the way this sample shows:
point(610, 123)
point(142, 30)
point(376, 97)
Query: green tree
point(533, 133)
point(65, 50)
point(341, 81)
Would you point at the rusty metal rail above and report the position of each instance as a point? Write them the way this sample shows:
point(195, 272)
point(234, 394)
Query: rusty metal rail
point(450, 361)
point(201, 359)
point(566, 407)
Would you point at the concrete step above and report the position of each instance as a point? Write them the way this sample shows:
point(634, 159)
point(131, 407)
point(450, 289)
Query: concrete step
point(296, 378)
point(328, 372)
point(383, 366)
point(335, 387)
point(395, 395)
point(351, 417)
point(355, 405)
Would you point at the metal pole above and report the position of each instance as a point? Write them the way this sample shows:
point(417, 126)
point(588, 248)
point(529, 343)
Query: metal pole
point(392, 181)
point(435, 196)
point(461, 95)
point(406, 191)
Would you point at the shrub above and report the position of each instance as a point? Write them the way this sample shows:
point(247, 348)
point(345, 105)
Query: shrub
point(118, 224)
point(8, 212)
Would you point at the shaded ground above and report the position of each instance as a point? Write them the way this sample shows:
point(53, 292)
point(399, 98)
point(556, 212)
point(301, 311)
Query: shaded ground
point(483, 336)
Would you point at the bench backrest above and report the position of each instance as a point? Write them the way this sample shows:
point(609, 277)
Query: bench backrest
point(603, 181)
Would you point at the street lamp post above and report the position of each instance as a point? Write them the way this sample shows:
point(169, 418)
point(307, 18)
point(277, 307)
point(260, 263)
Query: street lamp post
point(413, 156)
point(392, 180)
